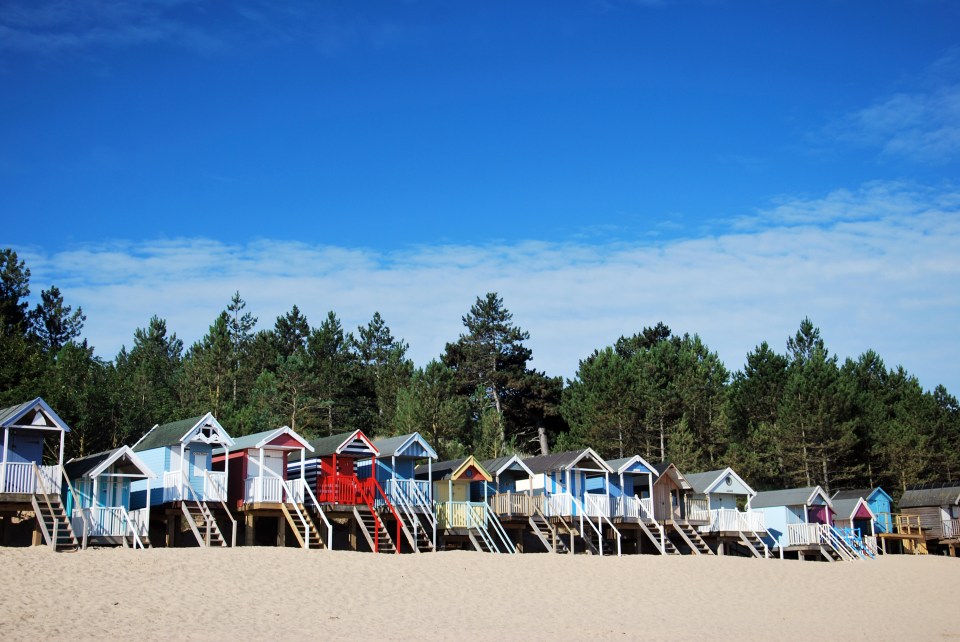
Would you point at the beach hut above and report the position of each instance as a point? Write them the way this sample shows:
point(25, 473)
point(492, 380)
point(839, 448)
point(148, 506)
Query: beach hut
point(331, 473)
point(413, 498)
point(189, 490)
point(631, 507)
point(258, 487)
point(677, 511)
point(28, 484)
point(799, 521)
point(854, 520)
point(460, 491)
point(930, 518)
point(575, 486)
point(878, 501)
point(514, 508)
point(729, 527)
point(100, 507)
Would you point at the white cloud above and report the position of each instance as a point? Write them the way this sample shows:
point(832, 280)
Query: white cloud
point(920, 127)
point(874, 268)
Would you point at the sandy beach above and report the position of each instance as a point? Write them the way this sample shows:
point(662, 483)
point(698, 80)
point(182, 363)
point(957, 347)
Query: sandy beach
point(270, 593)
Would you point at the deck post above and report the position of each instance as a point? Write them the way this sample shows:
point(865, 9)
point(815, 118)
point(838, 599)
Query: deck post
point(281, 532)
point(250, 523)
point(3, 471)
point(183, 449)
point(433, 501)
point(258, 491)
point(171, 529)
point(60, 460)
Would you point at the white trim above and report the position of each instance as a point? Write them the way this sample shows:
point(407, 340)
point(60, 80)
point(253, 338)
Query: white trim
point(418, 438)
point(39, 405)
point(281, 431)
point(723, 474)
point(633, 460)
point(118, 453)
point(591, 452)
point(357, 434)
point(226, 439)
point(509, 462)
point(819, 491)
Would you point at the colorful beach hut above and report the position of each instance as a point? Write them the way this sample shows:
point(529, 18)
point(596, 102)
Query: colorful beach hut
point(412, 497)
point(462, 514)
point(575, 486)
point(187, 490)
point(258, 487)
point(631, 497)
point(100, 506)
point(729, 527)
point(28, 484)
point(878, 501)
point(800, 521)
point(331, 472)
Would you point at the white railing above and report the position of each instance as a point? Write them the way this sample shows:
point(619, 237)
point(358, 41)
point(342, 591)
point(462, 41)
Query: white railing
point(264, 489)
point(20, 478)
point(951, 528)
point(870, 543)
point(596, 505)
point(403, 490)
point(731, 519)
point(215, 486)
point(698, 509)
point(110, 521)
point(597, 528)
point(139, 519)
point(559, 505)
point(805, 534)
point(297, 490)
point(172, 486)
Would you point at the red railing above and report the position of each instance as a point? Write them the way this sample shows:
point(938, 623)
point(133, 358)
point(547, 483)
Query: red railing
point(350, 491)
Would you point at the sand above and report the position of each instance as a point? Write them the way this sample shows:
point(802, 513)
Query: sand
point(274, 594)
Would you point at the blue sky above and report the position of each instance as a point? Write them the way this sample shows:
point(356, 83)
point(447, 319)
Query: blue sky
point(726, 167)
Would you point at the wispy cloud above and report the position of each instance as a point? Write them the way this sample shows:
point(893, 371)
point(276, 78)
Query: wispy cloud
point(55, 26)
point(874, 268)
point(921, 126)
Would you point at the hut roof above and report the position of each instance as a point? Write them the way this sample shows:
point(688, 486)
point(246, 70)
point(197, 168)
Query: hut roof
point(846, 507)
point(507, 462)
point(34, 414)
point(788, 497)
point(261, 439)
point(175, 432)
point(623, 463)
point(397, 446)
point(940, 494)
point(564, 461)
point(92, 465)
point(710, 481)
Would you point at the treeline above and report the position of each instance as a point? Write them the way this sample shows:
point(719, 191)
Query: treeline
point(796, 418)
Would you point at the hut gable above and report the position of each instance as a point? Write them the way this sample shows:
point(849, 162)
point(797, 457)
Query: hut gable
point(470, 470)
point(510, 463)
point(32, 415)
point(725, 481)
point(411, 445)
point(122, 459)
point(349, 444)
point(633, 465)
point(204, 429)
point(281, 439)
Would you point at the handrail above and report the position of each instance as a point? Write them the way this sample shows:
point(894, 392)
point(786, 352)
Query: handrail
point(132, 528)
point(482, 529)
point(370, 497)
point(426, 503)
point(401, 500)
point(500, 531)
point(76, 500)
point(226, 509)
point(598, 527)
point(309, 491)
point(838, 543)
point(46, 498)
point(288, 494)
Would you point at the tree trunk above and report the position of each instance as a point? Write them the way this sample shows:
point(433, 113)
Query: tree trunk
point(544, 446)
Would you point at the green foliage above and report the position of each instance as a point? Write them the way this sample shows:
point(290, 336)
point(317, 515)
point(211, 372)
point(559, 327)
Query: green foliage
point(783, 419)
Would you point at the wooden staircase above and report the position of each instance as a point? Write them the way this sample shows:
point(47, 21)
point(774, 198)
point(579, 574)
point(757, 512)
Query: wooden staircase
point(201, 521)
point(692, 538)
point(303, 529)
point(655, 533)
point(418, 535)
point(547, 534)
point(377, 535)
point(479, 543)
point(752, 541)
point(54, 524)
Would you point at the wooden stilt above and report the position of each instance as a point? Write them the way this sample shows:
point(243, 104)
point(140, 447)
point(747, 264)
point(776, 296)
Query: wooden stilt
point(281, 532)
point(250, 529)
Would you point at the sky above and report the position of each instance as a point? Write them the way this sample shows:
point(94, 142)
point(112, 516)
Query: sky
point(726, 167)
